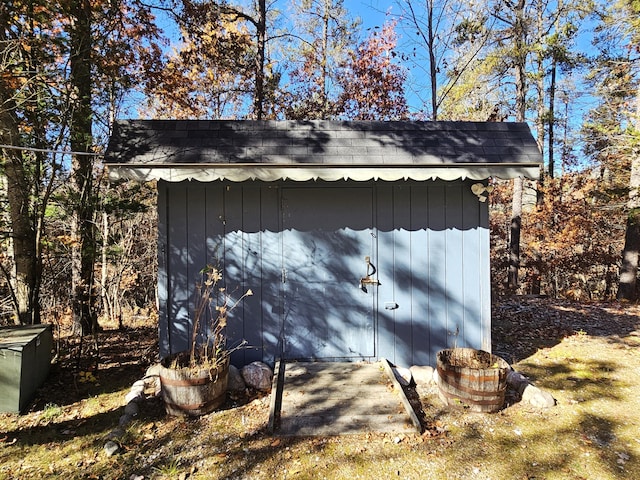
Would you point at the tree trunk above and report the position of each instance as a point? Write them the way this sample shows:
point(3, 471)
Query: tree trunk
point(433, 67)
point(520, 61)
point(104, 271)
point(261, 34)
point(540, 77)
point(514, 239)
point(84, 249)
point(23, 276)
point(552, 118)
point(23, 241)
point(536, 265)
point(552, 96)
point(627, 288)
point(520, 58)
point(326, 18)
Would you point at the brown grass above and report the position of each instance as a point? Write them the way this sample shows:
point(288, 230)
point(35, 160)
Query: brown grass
point(586, 356)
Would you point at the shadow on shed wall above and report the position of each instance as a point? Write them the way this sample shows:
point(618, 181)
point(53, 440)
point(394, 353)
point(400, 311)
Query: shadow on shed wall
point(429, 243)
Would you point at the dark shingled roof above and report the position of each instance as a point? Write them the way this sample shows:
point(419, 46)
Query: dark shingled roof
point(178, 149)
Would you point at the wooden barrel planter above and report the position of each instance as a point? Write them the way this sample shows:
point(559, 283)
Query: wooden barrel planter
point(194, 391)
point(472, 379)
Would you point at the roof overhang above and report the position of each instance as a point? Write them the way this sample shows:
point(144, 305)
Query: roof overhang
point(239, 150)
point(306, 172)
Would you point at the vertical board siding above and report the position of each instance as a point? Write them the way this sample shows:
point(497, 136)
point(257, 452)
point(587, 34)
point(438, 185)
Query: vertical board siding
point(421, 319)
point(252, 277)
point(436, 295)
point(234, 264)
point(270, 283)
point(454, 267)
point(197, 257)
point(485, 277)
point(179, 283)
point(403, 277)
point(163, 282)
point(212, 229)
point(386, 317)
point(431, 250)
point(472, 279)
point(327, 234)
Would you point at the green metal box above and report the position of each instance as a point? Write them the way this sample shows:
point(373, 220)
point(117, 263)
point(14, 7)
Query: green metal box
point(25, 358)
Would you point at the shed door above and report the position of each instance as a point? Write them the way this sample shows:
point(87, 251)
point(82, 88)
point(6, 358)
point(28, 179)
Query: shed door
point(327, 236)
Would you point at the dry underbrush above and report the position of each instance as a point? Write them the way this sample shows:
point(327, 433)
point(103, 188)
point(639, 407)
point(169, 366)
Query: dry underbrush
point(587, 356)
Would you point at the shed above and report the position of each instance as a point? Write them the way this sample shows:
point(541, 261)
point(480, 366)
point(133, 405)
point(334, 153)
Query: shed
point(359, 240)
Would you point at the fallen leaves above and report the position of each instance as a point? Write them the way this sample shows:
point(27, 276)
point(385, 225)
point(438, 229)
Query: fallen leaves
point(522, 325)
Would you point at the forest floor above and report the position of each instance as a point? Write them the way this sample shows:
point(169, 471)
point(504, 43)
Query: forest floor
point(585, 355)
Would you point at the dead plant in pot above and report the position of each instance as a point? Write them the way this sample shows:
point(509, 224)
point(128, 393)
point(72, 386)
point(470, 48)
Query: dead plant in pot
point(194, 382)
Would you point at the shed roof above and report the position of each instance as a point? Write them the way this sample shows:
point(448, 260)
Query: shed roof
point(239, 150)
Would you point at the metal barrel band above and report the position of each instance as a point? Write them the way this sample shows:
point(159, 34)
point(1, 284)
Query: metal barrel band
point(184, 383)
point(466, 376)
point(194, 406)
point(481, 393)
point(452, 396)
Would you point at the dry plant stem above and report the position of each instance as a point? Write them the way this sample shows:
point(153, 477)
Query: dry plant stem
point(204, 300)
point(218, 322)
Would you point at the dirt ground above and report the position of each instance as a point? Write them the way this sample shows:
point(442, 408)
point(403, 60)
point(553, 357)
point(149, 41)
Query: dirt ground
point(585, 355)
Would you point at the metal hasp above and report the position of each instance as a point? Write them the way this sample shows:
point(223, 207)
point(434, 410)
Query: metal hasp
point(367, 280)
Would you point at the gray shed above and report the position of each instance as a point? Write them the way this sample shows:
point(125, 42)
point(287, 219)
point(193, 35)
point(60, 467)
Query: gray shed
point(360, 240)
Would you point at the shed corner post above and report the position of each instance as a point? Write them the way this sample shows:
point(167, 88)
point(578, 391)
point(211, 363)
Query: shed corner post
point(162, 287)
point(485, 280)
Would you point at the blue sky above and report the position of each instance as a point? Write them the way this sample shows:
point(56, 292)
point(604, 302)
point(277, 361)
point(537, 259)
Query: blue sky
point(373, 14)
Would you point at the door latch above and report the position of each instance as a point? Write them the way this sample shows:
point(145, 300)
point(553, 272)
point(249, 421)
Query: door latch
point(368, 278)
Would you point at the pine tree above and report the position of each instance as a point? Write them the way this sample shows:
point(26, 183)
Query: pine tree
point(324, 39)
point(613, 127)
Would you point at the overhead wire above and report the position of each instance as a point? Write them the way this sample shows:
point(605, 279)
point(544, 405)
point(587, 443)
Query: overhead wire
point(47, 150)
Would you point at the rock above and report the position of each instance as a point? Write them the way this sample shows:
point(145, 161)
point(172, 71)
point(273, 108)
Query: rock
point(549, 400)
point(125, 420)
point(132, 409)
point(134, 396)
point(403, 375)
point(116, 433)
point(137, 388)
point(517, 381)
point(138, 385)
point(235, 382)
point(294, 370)
point(422, 374)
point(538, 398)
point(152, 379)
point(111, 448)
point(257, 375)
point(528, 392)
